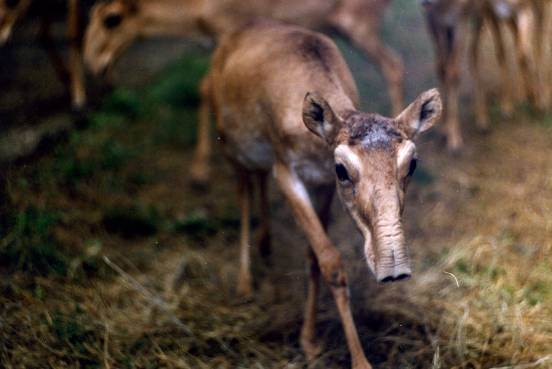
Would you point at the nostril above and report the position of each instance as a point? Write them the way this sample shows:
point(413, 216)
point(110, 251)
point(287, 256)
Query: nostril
point(402, 276)
point(387, 279)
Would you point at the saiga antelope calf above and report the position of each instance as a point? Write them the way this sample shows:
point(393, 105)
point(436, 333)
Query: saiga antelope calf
point(73, 75)
point(285, 102)
point(115, 24)
point(450, 24)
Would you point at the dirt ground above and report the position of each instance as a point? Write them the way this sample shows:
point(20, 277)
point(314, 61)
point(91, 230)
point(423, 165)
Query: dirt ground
point(109, 257)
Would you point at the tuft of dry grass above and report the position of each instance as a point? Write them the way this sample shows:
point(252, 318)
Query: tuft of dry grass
point(480, 227)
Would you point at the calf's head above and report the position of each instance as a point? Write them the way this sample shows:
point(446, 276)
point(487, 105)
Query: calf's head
point(115, 24)
point(375, 158)
point(10, 12)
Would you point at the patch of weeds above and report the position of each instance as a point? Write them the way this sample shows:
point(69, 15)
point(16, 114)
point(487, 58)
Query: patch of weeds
point(113, 155)
point(124, 102)
point(536, 293)
point(73, 166)
point(89, 263)
point(103, 119)
point(196, 225)
point(72, 170)
point(176, 127)
point(178, 84)
point(139, 178)
point(132, 222)
point(75, 337)
point(31, 246)
point(462, 266)
point(547, 120)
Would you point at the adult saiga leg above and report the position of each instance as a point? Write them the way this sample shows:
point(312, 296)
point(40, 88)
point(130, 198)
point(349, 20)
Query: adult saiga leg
point(523, 50)
point(45, 37)
point(245, 286)
point(264, 210)
point(480, 101)
point(72, 76)
point(309, 342)
point(361, 24)
point(532, 27)
point(447, 42)
point(456, 41)
point(200, 166)
point(506, 97)
point(76, 71)
point(329, 258)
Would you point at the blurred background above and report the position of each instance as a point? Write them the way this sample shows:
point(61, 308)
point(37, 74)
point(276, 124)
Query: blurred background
point(111, 257)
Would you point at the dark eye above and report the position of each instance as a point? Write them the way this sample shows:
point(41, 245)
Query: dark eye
point(112, 21)
point(12, 3)
point(341, 173)
point(412, 167)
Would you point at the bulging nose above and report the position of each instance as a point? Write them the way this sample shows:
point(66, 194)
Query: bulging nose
point(393, 272)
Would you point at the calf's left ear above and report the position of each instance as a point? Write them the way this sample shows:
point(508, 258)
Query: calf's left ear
point(319, 117)
point(421, 115)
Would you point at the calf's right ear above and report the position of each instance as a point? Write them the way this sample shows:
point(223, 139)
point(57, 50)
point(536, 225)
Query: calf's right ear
point(421, 115)
point(319, 117)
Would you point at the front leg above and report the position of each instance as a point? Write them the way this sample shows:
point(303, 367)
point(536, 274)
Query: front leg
point(200, 165)
point(506, 98)
point(327, 255)
point(456, 41)
point(76, 70)
point(523, 49)
point(480, 100)
point(245, 284)
point(309, 341)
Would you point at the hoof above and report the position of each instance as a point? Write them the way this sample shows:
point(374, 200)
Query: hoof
point(199, 175)
point(199, 186)
point(506, 115)
point(80, 118)
point(484, 129)
point(507, 112)
point(245, 288)
point(265, 249)
point(311, 349)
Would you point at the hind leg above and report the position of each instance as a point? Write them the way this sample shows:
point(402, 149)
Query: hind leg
point(264, 235)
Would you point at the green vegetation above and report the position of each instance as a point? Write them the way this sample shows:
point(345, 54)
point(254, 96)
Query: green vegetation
point(109, 159)
point(110, 258)
point(31, 246)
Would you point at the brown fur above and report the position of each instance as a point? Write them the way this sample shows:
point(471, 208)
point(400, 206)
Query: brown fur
point(358, 20)
point(72, 76)
point(449, 25)
point(291, 109)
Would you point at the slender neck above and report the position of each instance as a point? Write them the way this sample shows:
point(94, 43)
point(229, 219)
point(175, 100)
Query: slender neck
point(170, 17)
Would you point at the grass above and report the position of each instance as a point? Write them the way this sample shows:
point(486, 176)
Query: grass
point(109, 258)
